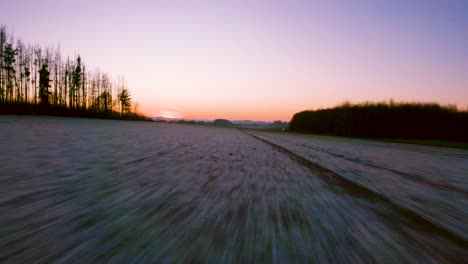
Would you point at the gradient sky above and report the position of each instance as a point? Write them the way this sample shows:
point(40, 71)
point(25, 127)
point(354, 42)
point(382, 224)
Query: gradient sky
point(260, 60)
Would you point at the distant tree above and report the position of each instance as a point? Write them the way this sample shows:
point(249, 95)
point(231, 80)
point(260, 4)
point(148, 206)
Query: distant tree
point(31, 73)
point(103, 102)
point(66, 81)
point(125, 100)
point(76, 83)
point(3, 38)
point(37, 65)
point(222, 123)
point(44, 84)
point(20, 48)
point(277, 123)
point(9, 54)
point(55, 67)
point(27, 74)
point(83, 88)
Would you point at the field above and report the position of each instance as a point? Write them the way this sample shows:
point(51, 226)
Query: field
point(83, 190)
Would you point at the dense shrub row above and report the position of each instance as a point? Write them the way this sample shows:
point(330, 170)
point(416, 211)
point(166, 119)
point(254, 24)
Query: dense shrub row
point(386, 120)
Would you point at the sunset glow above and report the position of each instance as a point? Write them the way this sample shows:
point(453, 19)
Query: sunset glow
point(259, 60)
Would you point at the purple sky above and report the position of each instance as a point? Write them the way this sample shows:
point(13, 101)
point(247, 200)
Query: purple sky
point(259, 59)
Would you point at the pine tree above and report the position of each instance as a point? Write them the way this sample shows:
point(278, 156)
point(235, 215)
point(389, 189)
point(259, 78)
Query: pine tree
point(125, 101)
point(44, 84)
point(76, 82)
point(9, 60)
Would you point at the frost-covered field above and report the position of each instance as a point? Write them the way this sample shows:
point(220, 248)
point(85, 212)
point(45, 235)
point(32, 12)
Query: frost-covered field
point(80, 190)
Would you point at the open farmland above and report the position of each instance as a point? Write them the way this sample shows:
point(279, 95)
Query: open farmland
point(98, 190)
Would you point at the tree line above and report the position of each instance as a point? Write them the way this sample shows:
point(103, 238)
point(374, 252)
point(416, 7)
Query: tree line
point(41, 80)
point(386, 120)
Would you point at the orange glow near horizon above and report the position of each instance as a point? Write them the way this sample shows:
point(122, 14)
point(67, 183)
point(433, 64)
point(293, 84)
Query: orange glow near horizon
point(224, 113)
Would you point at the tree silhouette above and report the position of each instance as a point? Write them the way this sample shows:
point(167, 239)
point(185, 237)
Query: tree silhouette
point(3, 37)
point(44, 84)
point(31, 73)
point(27, 74)
point(385, 120)
point(103, 102)
point(9, 59)
point(76, 83)
point(125, 101)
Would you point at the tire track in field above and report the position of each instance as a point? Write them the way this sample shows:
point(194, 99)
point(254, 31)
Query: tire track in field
point(411, 177)
point(339, 183)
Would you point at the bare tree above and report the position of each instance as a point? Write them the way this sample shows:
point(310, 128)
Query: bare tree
point(29, 73)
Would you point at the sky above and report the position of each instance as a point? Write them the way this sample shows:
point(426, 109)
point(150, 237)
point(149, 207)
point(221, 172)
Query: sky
point(259, 60)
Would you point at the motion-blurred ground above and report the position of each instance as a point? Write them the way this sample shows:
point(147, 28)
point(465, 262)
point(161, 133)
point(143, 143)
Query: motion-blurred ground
point(79, 190)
